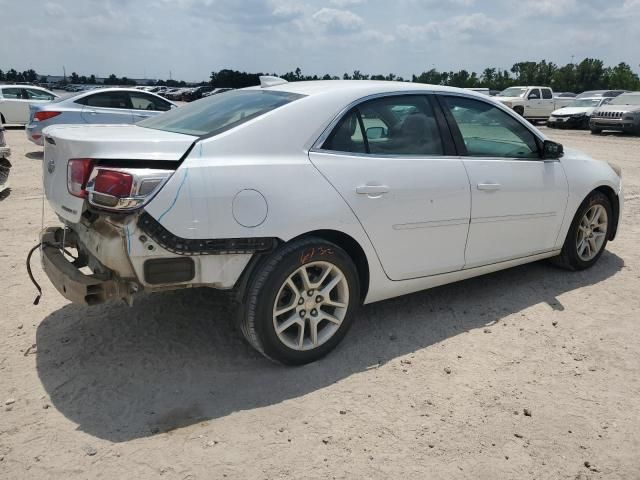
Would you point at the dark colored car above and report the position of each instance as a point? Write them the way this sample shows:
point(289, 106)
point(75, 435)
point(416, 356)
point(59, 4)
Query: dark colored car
point(196, 93)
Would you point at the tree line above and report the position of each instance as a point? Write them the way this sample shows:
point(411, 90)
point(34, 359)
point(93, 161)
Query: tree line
point(589, 74)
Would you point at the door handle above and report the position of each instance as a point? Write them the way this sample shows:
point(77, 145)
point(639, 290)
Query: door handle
point(489, 186)
point(372, 190)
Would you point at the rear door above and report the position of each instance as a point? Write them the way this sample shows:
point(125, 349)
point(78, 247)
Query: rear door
point(106, 107)
point(548, 103)
point(518, 199)
point(392, 160)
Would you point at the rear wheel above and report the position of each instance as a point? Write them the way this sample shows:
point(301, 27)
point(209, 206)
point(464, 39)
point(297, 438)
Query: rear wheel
point(588, 234)
point(301, 302)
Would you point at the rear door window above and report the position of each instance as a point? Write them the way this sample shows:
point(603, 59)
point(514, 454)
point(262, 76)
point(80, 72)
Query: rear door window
point(143, 101)
point(35, 94)
point(398, 125)
point(546, 94)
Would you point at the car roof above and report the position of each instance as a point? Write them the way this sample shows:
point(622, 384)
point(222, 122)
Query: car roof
point(360, 88)
point(85, 93)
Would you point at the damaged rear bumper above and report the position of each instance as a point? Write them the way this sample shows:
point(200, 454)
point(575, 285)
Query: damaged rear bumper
point(69, 280)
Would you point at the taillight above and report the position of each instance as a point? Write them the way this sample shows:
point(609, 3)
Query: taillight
point(78, 172)
point(124, 189)
point(112, 182)
point(45, 115)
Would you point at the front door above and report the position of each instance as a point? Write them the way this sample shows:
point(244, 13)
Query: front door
point(518, 199)
point(387, 159)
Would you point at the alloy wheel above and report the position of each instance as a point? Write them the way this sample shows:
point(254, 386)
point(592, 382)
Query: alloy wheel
point(310, 305)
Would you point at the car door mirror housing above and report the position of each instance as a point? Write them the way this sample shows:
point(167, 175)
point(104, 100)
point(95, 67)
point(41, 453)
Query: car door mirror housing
point(552, 150)
point(374, 133)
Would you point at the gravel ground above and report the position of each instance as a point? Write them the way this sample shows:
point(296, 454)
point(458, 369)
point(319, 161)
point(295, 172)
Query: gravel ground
point(527, 373)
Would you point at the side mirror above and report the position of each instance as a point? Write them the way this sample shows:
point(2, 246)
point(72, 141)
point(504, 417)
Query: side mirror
point(552, 150)
point(374, 133)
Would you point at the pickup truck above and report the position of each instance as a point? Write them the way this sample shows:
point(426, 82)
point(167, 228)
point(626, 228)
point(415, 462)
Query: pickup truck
point(533, 103)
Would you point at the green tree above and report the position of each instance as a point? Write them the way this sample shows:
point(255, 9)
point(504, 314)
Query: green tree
point(589, 75)
point(622, 77)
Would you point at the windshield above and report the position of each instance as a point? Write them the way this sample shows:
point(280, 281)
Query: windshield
point(586, 102)
point(626, 100)
point(217, 113)
point(512, 92)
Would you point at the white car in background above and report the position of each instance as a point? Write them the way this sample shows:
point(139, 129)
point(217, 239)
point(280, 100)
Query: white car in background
point(16, 99)
point(577, 114)
point(310, 198)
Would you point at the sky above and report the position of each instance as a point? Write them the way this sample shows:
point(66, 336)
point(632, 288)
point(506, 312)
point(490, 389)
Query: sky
point(191, 38)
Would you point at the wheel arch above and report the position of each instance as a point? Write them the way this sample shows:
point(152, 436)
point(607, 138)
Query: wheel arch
point(615, 206)
point(343, 240)
point(353, 249)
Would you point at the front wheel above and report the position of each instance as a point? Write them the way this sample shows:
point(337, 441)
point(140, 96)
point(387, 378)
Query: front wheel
point(588, 234)
point(596, 131)
point(301, 301)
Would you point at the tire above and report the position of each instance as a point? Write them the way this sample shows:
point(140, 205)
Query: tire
point(278, 281)
point(596, 131)
point(519, 110)
point(571, 257)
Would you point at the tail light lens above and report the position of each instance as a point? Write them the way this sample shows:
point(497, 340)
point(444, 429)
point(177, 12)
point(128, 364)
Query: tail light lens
point(112, 182)
point(44, 115)
point(124, 189)
point(78, 173)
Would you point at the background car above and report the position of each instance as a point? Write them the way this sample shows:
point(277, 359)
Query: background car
point(216, 91)
point(5, 165)
point(105, 106)
point(621, 114)
point(196, 93)
point(564, 95)
point(15, 101)
point(601, 93)
point(176, 94)
point(577, 114)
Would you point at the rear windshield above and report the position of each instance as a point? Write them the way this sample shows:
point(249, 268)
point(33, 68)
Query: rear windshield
point(217, 113)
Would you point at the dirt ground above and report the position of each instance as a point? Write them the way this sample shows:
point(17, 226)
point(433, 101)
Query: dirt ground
point(529, 373)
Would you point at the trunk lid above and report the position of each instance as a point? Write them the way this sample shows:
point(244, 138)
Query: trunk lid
point(102, 143)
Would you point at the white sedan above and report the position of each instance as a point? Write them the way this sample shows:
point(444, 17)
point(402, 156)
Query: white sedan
point(15, 101)
point(311, 198)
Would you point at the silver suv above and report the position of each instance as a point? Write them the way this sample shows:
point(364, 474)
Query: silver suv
point(622, 114)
